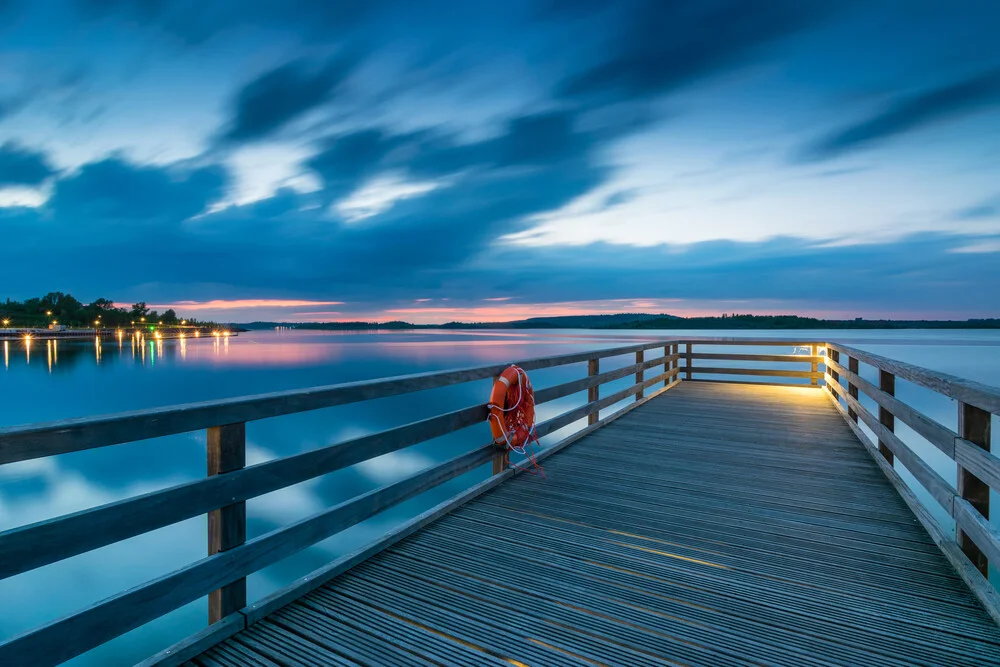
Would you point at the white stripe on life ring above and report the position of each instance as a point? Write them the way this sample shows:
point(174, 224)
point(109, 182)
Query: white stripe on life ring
point(504, 380)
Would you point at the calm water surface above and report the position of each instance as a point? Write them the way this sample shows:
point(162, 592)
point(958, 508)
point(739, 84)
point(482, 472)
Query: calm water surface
point(76, 379)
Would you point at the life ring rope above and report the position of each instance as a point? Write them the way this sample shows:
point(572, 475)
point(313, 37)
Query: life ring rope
point(514, 427)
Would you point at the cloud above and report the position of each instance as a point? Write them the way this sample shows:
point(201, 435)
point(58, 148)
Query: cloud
point(910, 114)
point(982, 211)
point(23, 166)
point(281, 95)
point(345, 160)
point(663, 44)
point(194, 22)
point(115, 190)
point(223, 304)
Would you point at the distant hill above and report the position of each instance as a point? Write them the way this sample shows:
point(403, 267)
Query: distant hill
point(795, 322)
point(647, 321)
point(567, 322)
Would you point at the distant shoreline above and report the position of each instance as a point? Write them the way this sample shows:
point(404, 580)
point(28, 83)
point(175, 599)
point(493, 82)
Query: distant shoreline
point(636, 321)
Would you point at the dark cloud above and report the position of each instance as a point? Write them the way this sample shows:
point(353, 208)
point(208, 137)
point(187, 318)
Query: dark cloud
point(194, 22)
point(912, 113)
point(23, 166)
point(344, 161)
point(538, 163)
point(114, 190)
point(664, 44)
point(532, 140)
point(281, 95)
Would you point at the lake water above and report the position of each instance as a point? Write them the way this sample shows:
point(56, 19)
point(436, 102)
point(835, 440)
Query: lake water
point(75, 379)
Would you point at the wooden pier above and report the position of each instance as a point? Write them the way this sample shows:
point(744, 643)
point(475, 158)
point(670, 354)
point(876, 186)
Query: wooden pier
point(701, 517)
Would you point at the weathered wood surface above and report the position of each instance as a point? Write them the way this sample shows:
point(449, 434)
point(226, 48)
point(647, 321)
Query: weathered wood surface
point(715, 525)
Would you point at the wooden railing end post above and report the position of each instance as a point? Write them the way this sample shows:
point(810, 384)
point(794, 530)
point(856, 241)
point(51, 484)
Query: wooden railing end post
point(974, 426)
point(594, 393)
point(887, 383)
point(639, 357)
point(227, 526)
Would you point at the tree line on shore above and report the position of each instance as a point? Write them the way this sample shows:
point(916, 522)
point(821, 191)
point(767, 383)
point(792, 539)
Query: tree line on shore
point(60, 308)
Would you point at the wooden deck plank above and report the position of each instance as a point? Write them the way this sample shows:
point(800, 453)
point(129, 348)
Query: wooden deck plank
point(718, 524)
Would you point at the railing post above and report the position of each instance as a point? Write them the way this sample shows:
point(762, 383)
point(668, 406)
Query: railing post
point(815, 365)
point(974, 426)
point(667, 365)
point(227, 526)
point(852, 365)
point(501, 458)
point(887, 383)
point(833, 355)
point(593, 394)
point(687, 361)
point(639, 356)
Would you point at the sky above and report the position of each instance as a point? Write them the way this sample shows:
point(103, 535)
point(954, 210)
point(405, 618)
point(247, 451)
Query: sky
point(308, 160)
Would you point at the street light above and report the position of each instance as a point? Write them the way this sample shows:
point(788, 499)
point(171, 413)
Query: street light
point(48, 313)
point(6, 322)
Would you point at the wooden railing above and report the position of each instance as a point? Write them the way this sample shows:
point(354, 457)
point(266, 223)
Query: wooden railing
point(708, 363)
point(230, 483)
point(977, 541)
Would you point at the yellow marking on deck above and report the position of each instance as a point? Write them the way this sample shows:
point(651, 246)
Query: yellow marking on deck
point(670, 555)
point(539, 642)
point(622, 533)
point(659, 541)
point(439, 633)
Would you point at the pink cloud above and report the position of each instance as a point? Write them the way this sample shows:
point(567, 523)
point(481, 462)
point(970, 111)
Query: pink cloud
point(231, 304)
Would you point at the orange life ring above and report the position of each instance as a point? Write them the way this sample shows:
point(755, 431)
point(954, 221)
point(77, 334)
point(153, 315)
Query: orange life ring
point(512, 409)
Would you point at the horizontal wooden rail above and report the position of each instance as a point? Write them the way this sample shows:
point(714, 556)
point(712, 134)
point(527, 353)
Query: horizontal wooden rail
point(785, 358)
point(967, 391)
point(20, 443)
point(935, 433)
point(762, 372)
point(756, 342)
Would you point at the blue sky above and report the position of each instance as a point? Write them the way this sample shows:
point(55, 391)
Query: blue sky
point(431, 161)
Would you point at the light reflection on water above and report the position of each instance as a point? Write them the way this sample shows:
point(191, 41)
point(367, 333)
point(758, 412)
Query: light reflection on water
point(81, 378)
